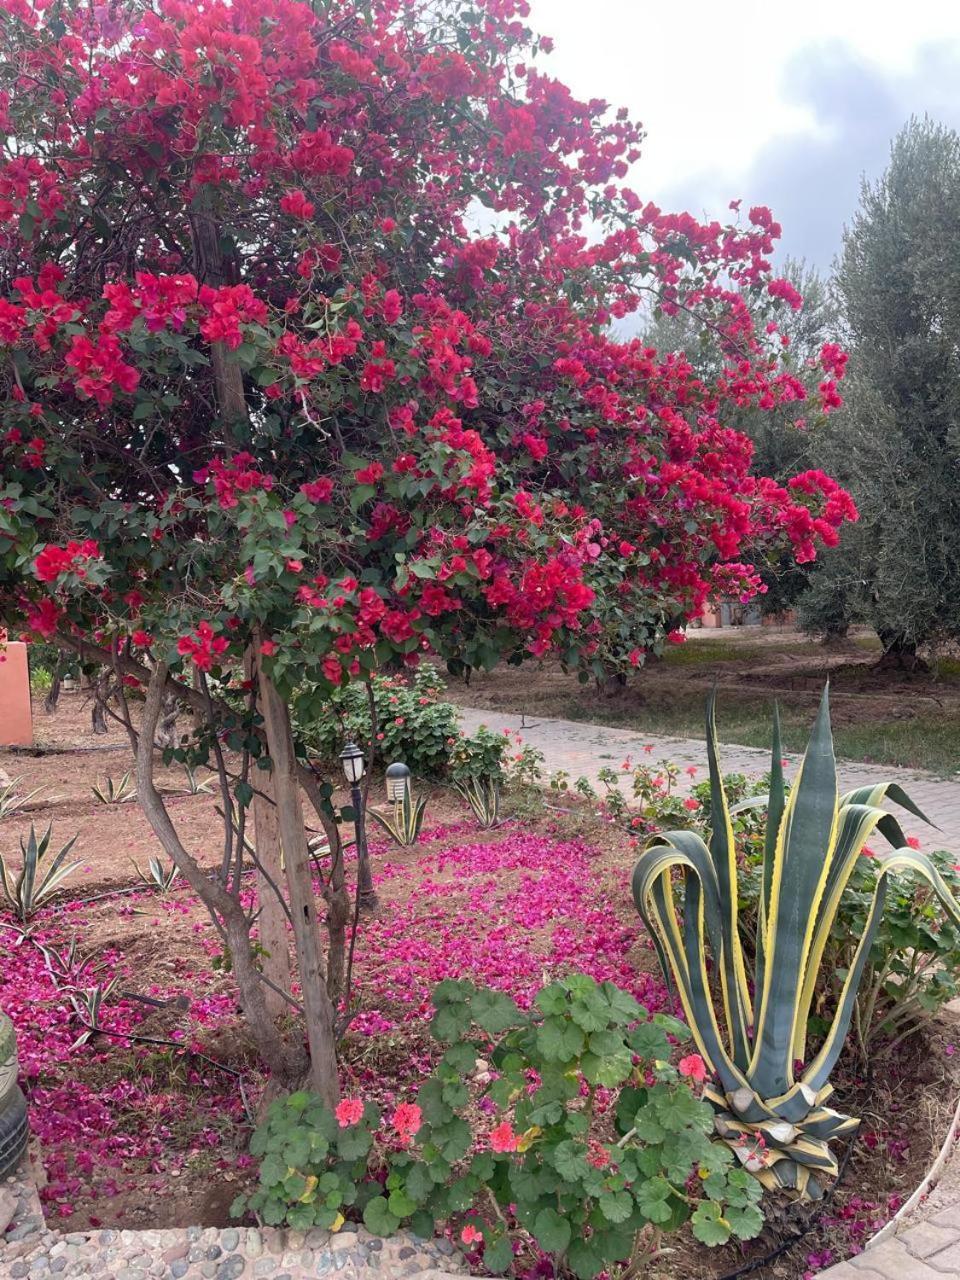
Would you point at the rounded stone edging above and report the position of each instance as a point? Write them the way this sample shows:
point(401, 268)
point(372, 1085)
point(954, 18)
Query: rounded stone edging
point(32, 1251)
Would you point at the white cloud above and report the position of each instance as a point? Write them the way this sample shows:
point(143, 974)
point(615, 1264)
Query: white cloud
point(725, 90)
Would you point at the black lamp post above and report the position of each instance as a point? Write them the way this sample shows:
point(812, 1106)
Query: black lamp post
point(354, 764)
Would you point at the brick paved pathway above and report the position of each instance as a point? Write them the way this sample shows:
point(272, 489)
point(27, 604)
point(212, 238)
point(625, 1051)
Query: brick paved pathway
point(585, 749)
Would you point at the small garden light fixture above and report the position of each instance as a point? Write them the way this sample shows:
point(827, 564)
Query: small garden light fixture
point(354, 763)
point(354, 766)
point(398, 782)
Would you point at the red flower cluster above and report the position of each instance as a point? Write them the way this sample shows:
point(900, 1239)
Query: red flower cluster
point(53, 561)
point(203, 647)
point(100, 368)
point(232, 477)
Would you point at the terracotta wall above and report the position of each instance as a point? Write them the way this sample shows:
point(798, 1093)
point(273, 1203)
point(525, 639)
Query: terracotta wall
point(16, 723)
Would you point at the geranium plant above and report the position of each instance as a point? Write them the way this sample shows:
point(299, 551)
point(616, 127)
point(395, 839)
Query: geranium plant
point(276, 419)
point(565, 1125)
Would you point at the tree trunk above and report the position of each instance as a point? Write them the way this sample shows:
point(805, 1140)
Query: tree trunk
point(101, 691)
point(318, 1008)
point(271, 917)
point(899, 652)
point(286, 1059)
point(167, 728)
point(53, 693)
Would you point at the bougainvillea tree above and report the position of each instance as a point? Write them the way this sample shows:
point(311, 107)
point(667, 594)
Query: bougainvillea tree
point(276, 412)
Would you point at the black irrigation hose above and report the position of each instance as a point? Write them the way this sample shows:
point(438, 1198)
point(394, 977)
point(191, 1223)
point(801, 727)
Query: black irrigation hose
point(184, 1049)
point(812, 1221)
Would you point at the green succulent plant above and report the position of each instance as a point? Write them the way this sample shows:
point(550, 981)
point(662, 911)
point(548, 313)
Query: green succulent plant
point(771, 1112)
point(403, 826)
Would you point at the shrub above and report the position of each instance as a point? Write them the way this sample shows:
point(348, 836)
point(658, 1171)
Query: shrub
point(479, 756)
point(773, 1115)
point(413, 724)
point(577, 1132)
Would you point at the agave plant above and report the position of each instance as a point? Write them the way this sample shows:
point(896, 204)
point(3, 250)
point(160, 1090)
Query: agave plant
point(773, 1115)
point(11, 801)
point(483, 797)
point(66, 965)
point(404, 826)
point(157, 875)
point(33, 886)
point(87, 1005)
point(194, 787)
point(115, 792)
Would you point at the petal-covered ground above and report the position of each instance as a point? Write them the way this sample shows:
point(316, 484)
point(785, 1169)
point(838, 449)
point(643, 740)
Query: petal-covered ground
point(126, 1126)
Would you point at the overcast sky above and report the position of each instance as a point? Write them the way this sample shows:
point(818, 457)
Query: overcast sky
point(784, 104)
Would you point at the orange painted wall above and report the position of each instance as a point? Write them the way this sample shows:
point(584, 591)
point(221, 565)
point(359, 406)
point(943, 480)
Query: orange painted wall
point(16, 721)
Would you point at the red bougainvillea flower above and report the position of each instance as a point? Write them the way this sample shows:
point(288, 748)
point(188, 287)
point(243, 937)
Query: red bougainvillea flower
point(54, 561)
point(349, 1111)
point(693, 1067)
point(503, 1138)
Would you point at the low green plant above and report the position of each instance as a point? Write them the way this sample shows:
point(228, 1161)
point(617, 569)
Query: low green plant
point(12, 801)
point(115, 792)
point(913, 965)
point(66, 964)
point(483, 797)
point(87, 1005)
point(479, 755)
point(38, 879)
point(157, 876)
point(194, 787)
point(564, 1124)
point(404, 824)
point(773, 1115)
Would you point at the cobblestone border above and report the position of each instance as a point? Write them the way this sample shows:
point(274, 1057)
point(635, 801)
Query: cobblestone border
point(32, 1251)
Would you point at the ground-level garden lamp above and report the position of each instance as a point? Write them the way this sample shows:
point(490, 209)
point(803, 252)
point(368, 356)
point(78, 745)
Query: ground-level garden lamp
point(398, 782)
point(769, 1093)
point(354, 766)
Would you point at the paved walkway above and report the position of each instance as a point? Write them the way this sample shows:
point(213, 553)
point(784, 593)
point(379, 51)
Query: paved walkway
point(584, 749)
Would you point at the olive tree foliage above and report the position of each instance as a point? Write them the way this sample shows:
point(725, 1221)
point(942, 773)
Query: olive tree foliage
point(896, 446)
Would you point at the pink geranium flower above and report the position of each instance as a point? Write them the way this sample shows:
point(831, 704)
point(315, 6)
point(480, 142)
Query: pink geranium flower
point(693, 1067)
point(348, 1112)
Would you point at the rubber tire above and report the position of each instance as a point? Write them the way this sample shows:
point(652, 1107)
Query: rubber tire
point(14, 1133)
point(8, 1062)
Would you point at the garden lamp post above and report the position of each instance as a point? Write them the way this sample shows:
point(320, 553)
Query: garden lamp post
point(398, 782)
point(354, 764)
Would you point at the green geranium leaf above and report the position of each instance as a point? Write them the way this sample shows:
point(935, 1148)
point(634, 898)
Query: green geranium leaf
point(616, 1206)
point(709, 1225)
point(652, 1197)
point(498, 1255)
point(559, 1041)
point(552, 1232)
point(495, 1012)
point(746, 1221)
point(378, 1218)
point(584, 1259)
